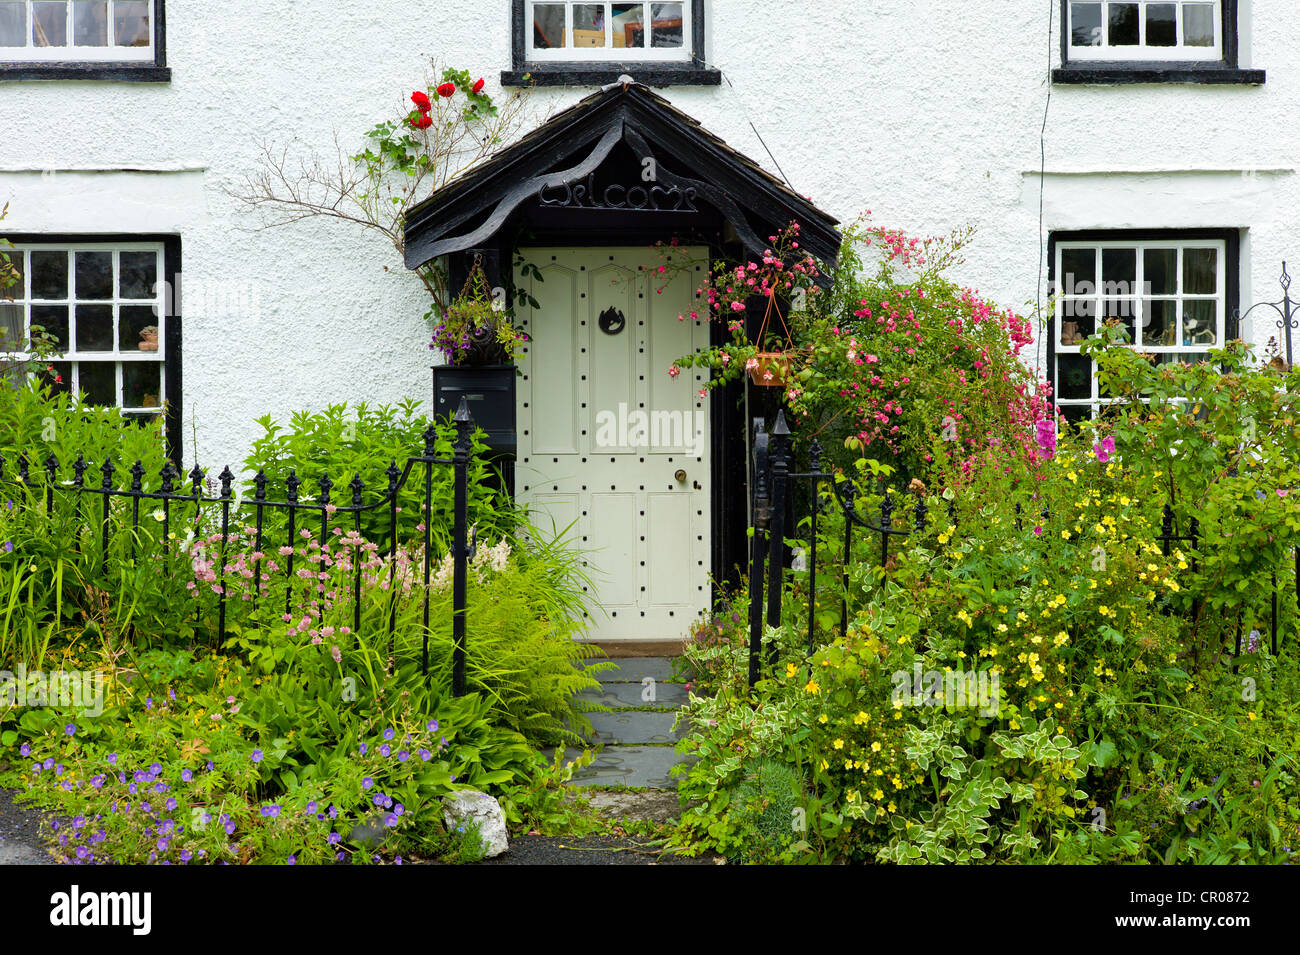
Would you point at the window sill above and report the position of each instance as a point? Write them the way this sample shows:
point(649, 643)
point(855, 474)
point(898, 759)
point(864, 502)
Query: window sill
point(1115, 74)
point(601, 74)
point(104, 72)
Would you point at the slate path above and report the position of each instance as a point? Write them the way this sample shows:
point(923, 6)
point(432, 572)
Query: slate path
point(636, 740)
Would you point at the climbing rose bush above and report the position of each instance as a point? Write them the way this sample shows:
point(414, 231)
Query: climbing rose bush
point(891, 359)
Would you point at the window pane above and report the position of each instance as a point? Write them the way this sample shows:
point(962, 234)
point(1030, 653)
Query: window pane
point(94, 328)
point(1199, 323)
point(94, 275)
point(1198, 24)
point(141, 384)
point(50, 23)
point(131, 22)
point(1160, 322)
point(1200, 271)
point(1123, 311)
point(1160, 271)
point(137, 329)
point(1162, 24)
point(13, 23)
point(1076, 413)
point(53, 320)
point(50, 275)
point(1123, 24)
point(667, 26)
point(548, 26)
point(90, 23)
point(629, 24)
point(1078, 320)
point(1075, 376)
point(11, 326)
point(588, 24)
point(1118, 271)
point(139, 274)
point(98, 380)
point(58, 376)
point(1085, 24)
point(1079, 271)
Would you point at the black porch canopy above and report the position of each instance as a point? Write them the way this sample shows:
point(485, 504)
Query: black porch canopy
point(621, 162)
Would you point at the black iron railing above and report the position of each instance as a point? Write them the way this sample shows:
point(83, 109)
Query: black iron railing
point(770, 503)
point(179, 504)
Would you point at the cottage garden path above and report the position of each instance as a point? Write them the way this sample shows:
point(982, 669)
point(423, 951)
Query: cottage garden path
point(628, 780)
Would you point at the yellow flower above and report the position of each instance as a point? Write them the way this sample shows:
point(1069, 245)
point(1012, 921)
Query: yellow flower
point(861, 718)
point(838, 744)
point(822, 718)
point(812, 686)
point(1251, 716)
point(875, 746)
point(789, 669)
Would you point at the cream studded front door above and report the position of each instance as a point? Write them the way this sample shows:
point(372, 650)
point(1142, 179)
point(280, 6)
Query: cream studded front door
point(609, 441)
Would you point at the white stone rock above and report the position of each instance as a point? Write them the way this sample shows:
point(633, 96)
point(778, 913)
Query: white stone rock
point(472, 805)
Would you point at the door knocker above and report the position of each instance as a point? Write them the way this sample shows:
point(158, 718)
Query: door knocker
point(612, 321)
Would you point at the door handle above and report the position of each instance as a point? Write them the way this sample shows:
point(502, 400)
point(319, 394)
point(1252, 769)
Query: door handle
point(680, 476)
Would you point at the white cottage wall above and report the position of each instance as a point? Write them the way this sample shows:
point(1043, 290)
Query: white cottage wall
point(927, 112)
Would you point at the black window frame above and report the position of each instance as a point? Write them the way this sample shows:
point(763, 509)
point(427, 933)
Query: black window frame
point(587, 73)
point(172, 377)
point(121, 71)
point(1230, 237)
point(1108, 72)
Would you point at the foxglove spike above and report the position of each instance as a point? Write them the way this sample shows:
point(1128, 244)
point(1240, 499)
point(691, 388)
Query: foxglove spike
point(225, 477)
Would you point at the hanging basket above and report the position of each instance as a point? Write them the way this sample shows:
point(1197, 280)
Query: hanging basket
point(770, 369)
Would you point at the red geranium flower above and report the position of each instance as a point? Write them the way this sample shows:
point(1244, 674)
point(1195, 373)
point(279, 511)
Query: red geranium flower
point(478, 87)
point(421, 101)
point(446, 90)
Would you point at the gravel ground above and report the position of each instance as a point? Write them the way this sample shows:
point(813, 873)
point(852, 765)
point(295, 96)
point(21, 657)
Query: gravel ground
point(20, 840)
point(593, 850)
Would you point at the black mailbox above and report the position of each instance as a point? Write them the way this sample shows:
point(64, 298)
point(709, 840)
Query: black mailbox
point(489, 393)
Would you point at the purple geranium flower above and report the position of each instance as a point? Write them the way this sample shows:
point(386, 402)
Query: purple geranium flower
point(257, 755)
point(70, 729)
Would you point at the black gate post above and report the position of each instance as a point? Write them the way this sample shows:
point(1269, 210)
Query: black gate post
point(760, 514)
point(776, 539)
point(460, 544)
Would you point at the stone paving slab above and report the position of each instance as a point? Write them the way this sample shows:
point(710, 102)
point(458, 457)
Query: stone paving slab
point(620, 695)
point(637, 766)
point(635, 726)
point(634, 669)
